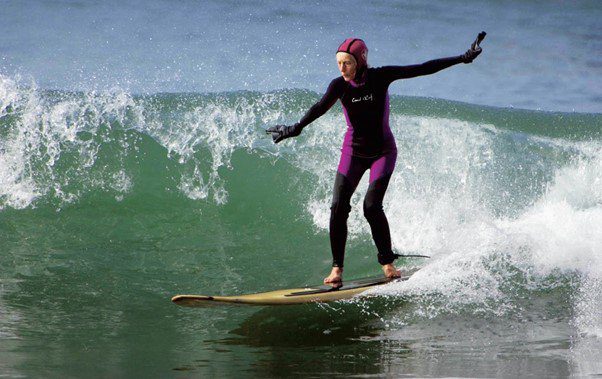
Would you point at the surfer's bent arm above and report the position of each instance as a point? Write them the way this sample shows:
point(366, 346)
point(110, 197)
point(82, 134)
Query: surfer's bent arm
point(334, 91)
point(323, 105)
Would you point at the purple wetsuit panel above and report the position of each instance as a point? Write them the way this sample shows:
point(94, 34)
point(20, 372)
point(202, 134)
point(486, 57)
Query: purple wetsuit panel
point(383, 166)
point(354, 167)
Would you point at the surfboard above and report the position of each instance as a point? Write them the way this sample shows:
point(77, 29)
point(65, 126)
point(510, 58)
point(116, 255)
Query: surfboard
point(311, 294)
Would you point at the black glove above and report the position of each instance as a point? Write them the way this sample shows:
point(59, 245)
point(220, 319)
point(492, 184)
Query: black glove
point(474, 50)
point(280, 132)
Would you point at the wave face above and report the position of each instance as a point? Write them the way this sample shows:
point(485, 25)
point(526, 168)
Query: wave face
point(507, 202)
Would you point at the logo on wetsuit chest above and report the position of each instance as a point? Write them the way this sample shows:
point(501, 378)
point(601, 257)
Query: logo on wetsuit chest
point(361, 98)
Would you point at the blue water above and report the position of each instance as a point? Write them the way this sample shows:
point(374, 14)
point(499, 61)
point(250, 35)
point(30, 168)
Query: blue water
point(538, 55)
point(134, 165)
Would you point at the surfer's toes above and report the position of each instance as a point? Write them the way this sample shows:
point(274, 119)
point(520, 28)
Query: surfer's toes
point(391, 272)
point(333, 283)
point(393, 275)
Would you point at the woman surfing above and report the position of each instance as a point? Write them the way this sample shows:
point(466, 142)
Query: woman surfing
point(368, 142)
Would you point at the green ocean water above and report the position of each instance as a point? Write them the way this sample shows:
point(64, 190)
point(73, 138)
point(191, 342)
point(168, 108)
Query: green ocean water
point(111, 203)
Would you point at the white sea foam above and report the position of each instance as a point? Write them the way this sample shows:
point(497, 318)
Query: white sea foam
point(17, 187)
point(476, 253)
point(487, 205)
point(45, 130)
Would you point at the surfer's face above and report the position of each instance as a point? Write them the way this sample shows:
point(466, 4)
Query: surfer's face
point(347, 65)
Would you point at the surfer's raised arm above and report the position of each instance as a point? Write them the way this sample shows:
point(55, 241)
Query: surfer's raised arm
point(392, 73)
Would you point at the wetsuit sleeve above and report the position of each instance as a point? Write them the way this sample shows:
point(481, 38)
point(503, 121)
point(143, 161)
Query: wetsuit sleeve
point(392, 73)
point(333, 93)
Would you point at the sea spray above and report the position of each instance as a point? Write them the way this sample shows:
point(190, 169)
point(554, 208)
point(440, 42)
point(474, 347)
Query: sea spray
point(59, 146)
point(493, 264)
point(51, 140)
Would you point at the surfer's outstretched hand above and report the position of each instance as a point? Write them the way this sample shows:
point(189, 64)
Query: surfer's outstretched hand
point(474, 50)
point(280, 132)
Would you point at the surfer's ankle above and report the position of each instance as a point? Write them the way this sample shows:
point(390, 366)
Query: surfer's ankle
point(336, 271)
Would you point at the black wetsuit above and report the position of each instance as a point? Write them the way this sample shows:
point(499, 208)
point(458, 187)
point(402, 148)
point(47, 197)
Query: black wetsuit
point(368, 144)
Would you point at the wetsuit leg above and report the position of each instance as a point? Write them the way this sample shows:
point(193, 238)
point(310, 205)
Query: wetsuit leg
point(380, 174)
point(348, 176)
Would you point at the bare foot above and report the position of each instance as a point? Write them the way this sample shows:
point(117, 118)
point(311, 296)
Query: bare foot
point(390, 271)
point(335, 278)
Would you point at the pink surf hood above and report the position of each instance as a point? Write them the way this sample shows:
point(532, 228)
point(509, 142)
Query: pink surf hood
point(358, 49)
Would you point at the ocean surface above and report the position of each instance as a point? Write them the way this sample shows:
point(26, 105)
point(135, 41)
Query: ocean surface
point(134, 166)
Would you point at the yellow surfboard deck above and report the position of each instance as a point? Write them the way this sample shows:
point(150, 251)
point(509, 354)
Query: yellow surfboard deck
point(319, 294)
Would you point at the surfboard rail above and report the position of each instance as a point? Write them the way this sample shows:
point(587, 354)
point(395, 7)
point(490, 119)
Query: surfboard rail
point(310, 294)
